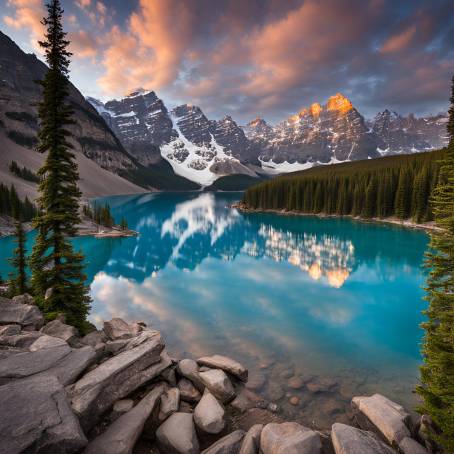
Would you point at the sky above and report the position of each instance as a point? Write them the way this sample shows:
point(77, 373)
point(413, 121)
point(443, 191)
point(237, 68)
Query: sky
point(255, 58)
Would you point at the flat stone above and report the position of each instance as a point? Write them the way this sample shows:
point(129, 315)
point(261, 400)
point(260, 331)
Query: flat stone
point(117, 328)
point(123, 405)
point(177, 435)
point(115, 346)
point(189, 369)
point(122, 435)
point(383, 415)
point(251, 441)
point(226, 364)
point(274, 391)
point(409, 446)
point(9, 330)
point(209, 415)
point(218, 384)
point(349, 440)
point(247, 399)
point(46, 341)
point(170, 402)
point(230, 444)
point(36, 417)
point(116, 378)
point(321, 385)
point(94, 338)
point(295, 382)
point(26, 315)
point(289, 438)
point(58, 329)
point(188, 392)
point(22, 340)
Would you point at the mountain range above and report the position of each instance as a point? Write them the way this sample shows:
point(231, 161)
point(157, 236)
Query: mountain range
point(138, 143)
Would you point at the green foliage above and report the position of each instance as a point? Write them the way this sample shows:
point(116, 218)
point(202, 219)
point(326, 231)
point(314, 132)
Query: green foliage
point(23, 172)
point(393, 186)
point(53, 261)
point(17, 284)
point(12, 205)
point(22, 139)
point(123, 224)
point(100, 214)
point(437, 373)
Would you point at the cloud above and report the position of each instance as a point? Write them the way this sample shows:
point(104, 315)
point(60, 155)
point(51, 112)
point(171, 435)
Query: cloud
point(399, 41)
point(83, 44)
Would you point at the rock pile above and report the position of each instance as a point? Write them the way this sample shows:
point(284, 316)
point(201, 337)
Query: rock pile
point(117, 389)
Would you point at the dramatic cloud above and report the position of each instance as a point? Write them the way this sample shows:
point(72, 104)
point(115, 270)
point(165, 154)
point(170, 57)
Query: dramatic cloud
point(262, 57)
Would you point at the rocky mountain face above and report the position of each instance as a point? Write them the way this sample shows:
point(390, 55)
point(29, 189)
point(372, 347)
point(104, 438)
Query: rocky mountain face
point(19, 98)
point(336, 132)
point(197, 149)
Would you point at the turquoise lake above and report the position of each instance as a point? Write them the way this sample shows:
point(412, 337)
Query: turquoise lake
point(335, 301)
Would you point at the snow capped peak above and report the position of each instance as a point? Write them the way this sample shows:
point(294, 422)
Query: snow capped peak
point(339, 103)
point(139, 92)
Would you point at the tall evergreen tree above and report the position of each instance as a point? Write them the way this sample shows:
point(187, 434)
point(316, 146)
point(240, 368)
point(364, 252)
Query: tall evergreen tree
point(54, 262)
point(18, 280)
point(437, 373)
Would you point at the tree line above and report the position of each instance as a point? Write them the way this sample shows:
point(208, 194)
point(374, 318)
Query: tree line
point(23, 172)
point(102, 215)
point(397, 186)
point(12, 205)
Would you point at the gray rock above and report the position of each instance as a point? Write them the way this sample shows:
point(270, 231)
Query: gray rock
point(58, 329)
point(22, 340)
point(209, 415)
point(289, 438)
point(117, 328)
point(177, 435)
point(24, 299)
point(123, 405)
point(170, 401)
point(169, 376)
point(218, 384)
point(26, 315)
point(188, 392)
point(46, 341)
point(116, 346)
point(115, 378)
point(121, 436)
point(230, 444)
point(226, 364)
point(36, 417)
point(94, 338)
point(251, 441)
point(9, 330)
point(189, 369)
point(349, 440)
point(409, 446)
point(382, 415)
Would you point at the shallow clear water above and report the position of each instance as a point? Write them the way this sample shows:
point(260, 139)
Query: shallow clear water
point(318, 298)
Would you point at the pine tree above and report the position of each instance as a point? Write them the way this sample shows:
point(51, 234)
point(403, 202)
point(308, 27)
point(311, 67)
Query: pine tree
point(437, 373)
point(18, 280)
point(54, 262)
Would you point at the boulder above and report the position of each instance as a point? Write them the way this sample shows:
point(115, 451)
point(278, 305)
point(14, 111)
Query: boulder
point(218, 384)
point(349, 440)
point(116, 346)
point(121, 436)
point(177, 435)
point(117, 328)
point(58, 329)
point(251, 441)
point(230, 444)
point(94, 338)
point(189, 369)
point(170, 402)
point(209, 415)
point(9, 330)
point(46, 341)
point(382, 416)
point(188, 392)
point(22, 340)
point(409, 446)
point(36, 417)
point(226, 364)
point(289, 438)
point(61, 361)
point(169, 376)
point(26, 315)
point(24, 299)
point(122, 406)
point(115, 378)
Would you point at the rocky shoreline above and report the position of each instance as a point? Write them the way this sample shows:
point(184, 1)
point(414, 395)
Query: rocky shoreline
point(427, 226)
point(118, 390)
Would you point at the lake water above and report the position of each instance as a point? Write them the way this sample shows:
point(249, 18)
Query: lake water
point(335, 302)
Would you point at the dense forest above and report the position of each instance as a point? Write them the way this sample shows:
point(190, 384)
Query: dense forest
point(12, 205)
point(392, 186)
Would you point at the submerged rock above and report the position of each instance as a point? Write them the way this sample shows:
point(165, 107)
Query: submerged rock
point(177, 435)
point(218, 384)
point(349, 440)
point(209, 415)
point(226, 364)
point(36, 417)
